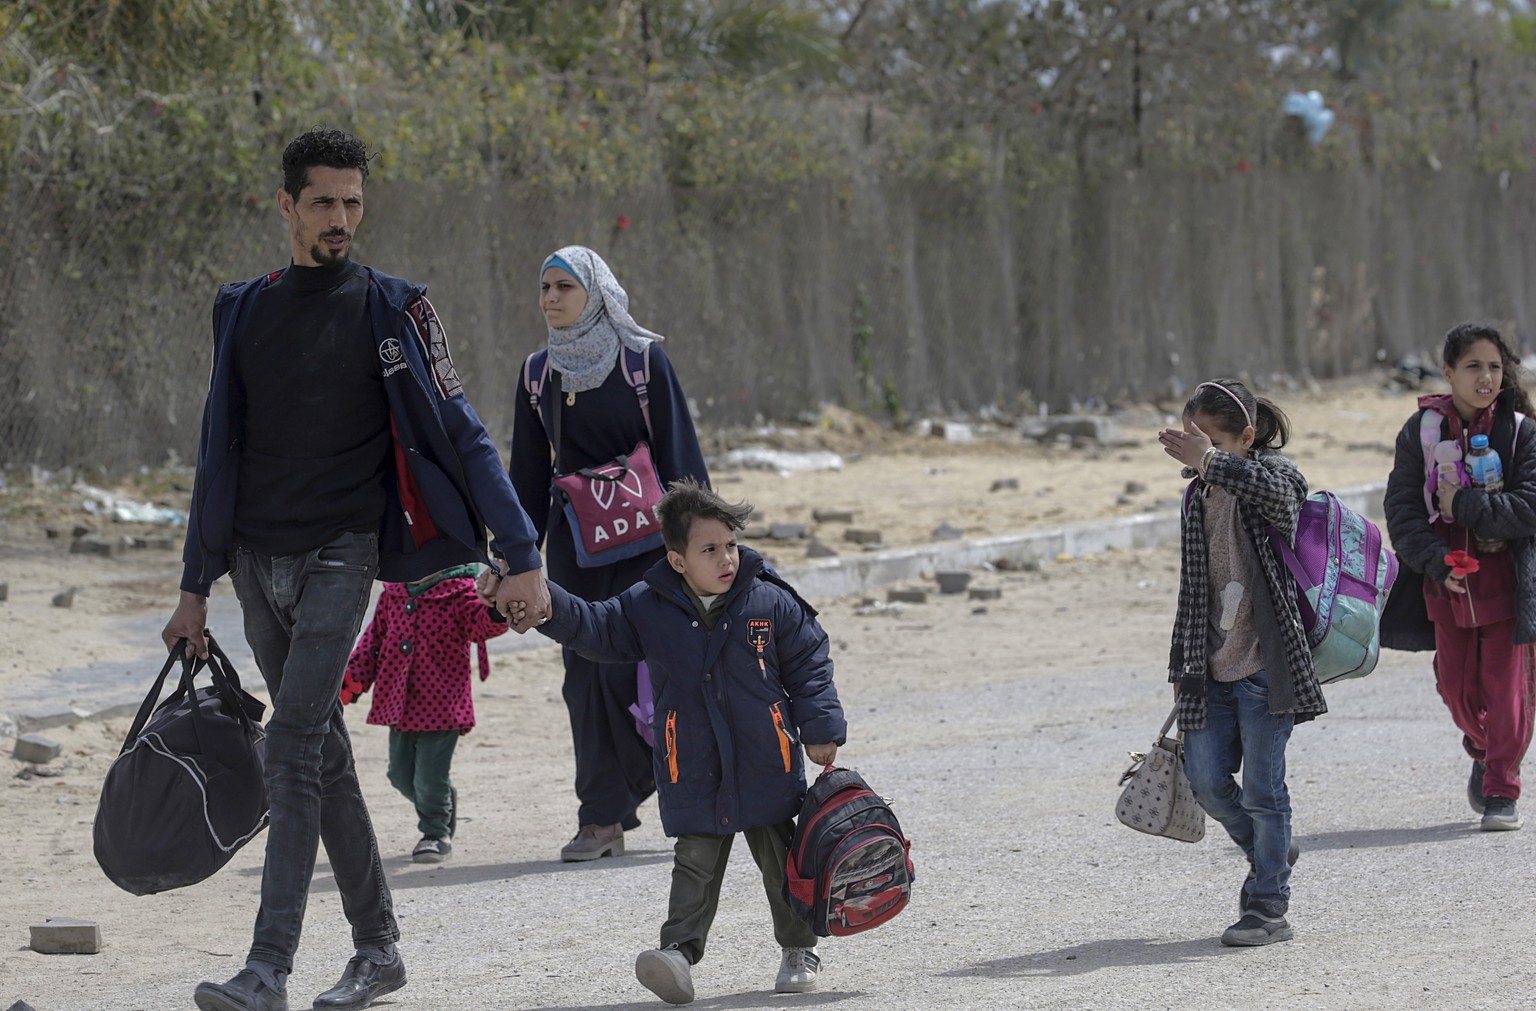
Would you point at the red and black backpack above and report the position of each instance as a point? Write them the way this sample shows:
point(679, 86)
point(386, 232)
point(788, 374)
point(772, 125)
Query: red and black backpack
point(849, 866)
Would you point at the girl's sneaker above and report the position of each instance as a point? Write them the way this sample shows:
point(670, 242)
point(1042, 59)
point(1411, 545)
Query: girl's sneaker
point(1255, 929)
point(797, 971)
point(431, 851)
point(1500, 815)
point(666, 973)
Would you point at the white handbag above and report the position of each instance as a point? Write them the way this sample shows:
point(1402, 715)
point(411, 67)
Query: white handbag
point(1157, 799)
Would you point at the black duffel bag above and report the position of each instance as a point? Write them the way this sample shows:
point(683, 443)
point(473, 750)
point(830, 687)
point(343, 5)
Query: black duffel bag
point(186, 792)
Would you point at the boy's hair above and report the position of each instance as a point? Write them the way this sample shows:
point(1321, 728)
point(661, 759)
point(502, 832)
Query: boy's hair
point(1464, 335)
point(685, 501)
point(330, 148)
point(1220, 398)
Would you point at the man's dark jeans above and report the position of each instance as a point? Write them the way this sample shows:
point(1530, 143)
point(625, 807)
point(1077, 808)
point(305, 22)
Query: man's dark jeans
point(302, 616)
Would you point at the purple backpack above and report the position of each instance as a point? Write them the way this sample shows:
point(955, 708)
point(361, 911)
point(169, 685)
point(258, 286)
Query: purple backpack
point(1343, 574)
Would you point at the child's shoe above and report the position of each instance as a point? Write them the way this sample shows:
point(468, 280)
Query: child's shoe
point(797, 971)
point(1255, 929)
point(1499, 815)
point(666, 973)
point(431, 851)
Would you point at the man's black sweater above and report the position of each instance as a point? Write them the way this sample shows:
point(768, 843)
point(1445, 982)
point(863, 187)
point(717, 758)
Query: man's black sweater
point(316, 433)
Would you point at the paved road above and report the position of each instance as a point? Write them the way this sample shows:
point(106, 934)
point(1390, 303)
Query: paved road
point(1029, 894)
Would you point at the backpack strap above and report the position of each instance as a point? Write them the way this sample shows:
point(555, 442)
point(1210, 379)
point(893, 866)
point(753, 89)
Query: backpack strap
point(1430, 424)
point(637, 373)
point(535, 375)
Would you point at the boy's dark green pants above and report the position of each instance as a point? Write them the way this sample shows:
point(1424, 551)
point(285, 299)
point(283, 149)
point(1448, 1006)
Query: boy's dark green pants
point(698, 868)
point(419, 761)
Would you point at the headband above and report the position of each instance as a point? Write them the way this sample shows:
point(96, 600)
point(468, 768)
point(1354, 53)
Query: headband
point(1235, 399)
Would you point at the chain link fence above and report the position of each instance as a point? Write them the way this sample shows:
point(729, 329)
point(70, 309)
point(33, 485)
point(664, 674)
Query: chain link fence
point(893, 298)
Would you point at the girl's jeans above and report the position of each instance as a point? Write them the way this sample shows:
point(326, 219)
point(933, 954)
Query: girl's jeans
point(1241, 732)
point(302, 615)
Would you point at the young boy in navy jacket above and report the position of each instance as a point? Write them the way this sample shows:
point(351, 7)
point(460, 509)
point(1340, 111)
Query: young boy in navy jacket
point(742, 677)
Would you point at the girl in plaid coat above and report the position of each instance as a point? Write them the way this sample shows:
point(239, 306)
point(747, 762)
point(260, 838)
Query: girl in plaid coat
point(1240, 664)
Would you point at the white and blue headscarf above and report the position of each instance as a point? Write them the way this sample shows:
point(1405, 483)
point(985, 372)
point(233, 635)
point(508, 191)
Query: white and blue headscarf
point(587, 350)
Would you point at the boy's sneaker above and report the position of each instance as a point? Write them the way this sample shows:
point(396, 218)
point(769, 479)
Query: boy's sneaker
point(797, 971)
point(593, 841)
point(1500, 815)
point(1255, 929)
point(431, 851)
point(1291, 856)
point(666, 973)
point(1475, 787)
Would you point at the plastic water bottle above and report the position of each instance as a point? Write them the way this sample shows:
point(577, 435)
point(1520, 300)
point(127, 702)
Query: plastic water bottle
point(1483, 465)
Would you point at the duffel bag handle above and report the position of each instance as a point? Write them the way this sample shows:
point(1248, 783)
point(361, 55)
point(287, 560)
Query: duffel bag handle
point(178, 651)
point(228, 683)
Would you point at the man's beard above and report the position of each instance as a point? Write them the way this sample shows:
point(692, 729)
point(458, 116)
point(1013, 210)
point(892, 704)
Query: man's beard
point(325, 258)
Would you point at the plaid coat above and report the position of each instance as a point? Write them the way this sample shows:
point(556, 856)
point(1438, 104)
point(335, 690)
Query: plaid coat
point(1270, 492)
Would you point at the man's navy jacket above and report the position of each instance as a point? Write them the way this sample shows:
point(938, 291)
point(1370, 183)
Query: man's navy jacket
point(445, 481)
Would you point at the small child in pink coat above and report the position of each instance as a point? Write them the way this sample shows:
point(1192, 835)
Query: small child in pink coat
point(415, 655)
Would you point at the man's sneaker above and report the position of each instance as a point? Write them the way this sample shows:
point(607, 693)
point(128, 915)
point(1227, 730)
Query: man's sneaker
point(1475, 787)
point(797, 971)
point(594, 841)
point(1500, 815)
point(666, 973)
point(1255, 929)
point(1242, 895)
point(431, 851)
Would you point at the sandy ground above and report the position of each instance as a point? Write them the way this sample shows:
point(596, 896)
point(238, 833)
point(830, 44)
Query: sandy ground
point(999, 727)
point(901, 485)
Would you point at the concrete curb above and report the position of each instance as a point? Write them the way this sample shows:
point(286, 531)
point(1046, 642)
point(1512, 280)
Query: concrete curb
point(826, 578)
point(844, 576)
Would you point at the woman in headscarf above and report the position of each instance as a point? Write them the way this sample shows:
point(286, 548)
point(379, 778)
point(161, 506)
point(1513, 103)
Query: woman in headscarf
point(588, 392)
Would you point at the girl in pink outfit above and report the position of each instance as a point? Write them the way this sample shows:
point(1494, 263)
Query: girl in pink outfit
point(1470, 557)
point(416, 653)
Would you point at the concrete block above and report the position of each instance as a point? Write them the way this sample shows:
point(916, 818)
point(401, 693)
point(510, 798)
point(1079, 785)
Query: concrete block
point(60, 935)
point(952, 580)
point(65, 599)
point(80, 530)
point(5, 591)
point(945, 532)
point(900, 596)
point(757, 532)
point(953, 431)
point(1064, 428)
point(161, 543)
point(20, 1005)
point(857, 535)
point(986, 593)
point(1135, 488)
point(1005, 484)
point(52, 533)
point(816, 549)
point(36, 748)
point(832, 515)
point(786, 531)
point(92, 546)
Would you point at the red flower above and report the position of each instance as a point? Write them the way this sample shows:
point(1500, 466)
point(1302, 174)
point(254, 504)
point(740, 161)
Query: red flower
point(1242, 165)
point(1462, 564)
point(621, 222)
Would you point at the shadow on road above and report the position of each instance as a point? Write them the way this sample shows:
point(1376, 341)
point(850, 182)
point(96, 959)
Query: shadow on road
point(1373, 838)
point(403, 873)
point(728, 1002)
point(1079, 959)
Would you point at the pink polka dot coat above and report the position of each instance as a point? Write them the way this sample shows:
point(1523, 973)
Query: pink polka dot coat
point(415, 656)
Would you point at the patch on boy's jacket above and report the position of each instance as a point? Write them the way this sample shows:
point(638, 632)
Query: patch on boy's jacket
point(759, 633)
